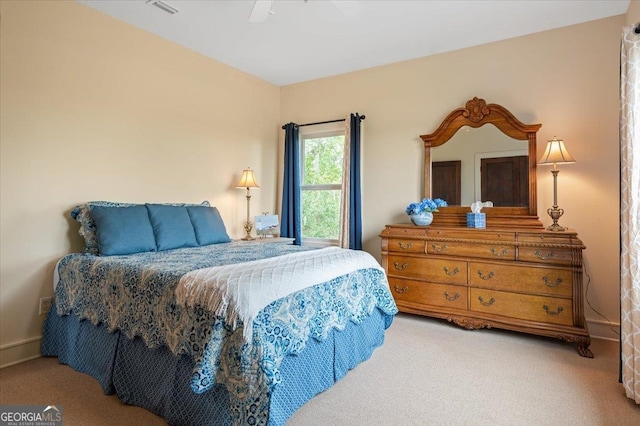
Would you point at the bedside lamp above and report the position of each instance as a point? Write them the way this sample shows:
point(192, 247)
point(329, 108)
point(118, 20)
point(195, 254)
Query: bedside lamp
point(555, 154)
point(248, 180)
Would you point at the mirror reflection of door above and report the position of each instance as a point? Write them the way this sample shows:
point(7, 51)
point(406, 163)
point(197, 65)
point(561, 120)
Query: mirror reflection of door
point(469, 146)
point(445, 178)
point(504, 181)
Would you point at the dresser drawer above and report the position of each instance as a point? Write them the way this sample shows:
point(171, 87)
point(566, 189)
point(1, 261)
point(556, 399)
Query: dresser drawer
point(449, 296)
point(483, 251)
point(406, 246)
point(404, 231)
point(434, 270)
point(473, 234)
point(565, 238)
point(546, 256)
point(522, 279)
point(527, 307)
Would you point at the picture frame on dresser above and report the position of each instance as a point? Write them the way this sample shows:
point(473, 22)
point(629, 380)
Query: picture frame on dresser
point(512, 275)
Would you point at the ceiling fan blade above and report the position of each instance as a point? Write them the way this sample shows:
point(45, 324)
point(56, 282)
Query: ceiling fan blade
point(260, 11)
point(347, 7)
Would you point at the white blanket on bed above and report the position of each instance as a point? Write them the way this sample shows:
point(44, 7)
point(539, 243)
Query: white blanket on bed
point(241, 290)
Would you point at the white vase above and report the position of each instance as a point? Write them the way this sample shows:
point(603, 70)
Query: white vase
point(422, 219)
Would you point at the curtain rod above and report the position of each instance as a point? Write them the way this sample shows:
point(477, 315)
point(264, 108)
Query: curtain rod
point(362, 117)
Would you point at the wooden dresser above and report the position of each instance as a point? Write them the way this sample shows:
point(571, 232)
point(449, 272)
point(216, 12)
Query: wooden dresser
point(526, 280)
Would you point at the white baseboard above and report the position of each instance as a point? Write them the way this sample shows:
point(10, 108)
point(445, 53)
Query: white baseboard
point(21, 351)
point(599, 329)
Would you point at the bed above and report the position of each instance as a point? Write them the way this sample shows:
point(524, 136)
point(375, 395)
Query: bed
point(200, 329)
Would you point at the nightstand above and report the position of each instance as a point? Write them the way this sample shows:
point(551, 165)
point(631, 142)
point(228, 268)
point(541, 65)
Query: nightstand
point(278, 240)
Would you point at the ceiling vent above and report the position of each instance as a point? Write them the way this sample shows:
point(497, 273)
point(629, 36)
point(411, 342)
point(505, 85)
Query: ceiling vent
point(163, 6)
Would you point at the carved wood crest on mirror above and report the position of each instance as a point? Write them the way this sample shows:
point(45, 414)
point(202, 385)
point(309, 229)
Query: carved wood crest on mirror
point(483, 165)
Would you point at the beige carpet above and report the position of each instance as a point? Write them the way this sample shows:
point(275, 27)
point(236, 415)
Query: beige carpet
point(428, 372)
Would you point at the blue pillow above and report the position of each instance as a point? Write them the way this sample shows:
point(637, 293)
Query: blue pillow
point(82, 214)
point(123, 230)
point(171, 226)
point(208, 225)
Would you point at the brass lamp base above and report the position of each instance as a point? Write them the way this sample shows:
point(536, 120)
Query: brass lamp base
point(248, 226)
point(555, 214)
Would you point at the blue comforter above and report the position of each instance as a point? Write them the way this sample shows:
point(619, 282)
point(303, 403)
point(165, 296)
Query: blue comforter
point(136, 295)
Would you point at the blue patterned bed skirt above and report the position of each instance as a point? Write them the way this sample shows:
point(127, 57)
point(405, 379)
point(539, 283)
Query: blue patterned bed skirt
point(158, 380)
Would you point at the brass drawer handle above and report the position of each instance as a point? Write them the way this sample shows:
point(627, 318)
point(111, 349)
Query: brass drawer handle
point(550, 284)
point(400, 267)
point(400, 290)
point(451, 298)
point(439, 250)
point(546, 308)
point(542, 256)
point(405, 247)
point(495, 252)
point(487, 277)
point(455, 271)
point(489, 303)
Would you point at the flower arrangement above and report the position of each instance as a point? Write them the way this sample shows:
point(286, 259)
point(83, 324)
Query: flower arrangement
point(426, 205)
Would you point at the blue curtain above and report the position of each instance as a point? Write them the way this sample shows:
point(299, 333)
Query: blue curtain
point(291, 226)
point(355, 193)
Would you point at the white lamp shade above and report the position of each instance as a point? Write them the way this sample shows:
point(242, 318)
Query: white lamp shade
point(248, 180)
point(556, 153)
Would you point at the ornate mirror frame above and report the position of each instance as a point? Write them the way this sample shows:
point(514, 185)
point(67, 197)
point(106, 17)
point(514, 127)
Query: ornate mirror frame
point(477, 113)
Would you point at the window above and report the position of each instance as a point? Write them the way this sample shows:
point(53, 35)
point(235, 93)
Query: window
point(321, 188)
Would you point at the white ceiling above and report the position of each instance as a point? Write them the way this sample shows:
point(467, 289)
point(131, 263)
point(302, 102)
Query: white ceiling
point(306, 40)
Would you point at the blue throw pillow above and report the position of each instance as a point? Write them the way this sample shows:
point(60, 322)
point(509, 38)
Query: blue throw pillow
point(208, 225)
point(82, 214)
point(123, 230)
point(171, 226)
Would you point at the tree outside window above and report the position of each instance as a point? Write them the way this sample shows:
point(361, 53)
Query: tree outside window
point(321, 169)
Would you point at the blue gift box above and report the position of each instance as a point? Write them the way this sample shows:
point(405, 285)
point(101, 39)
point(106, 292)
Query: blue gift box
point(476, 220)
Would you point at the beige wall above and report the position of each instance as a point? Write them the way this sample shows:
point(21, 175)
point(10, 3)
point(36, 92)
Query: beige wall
point(633, 13)
point(566, 79)
point(93, 108)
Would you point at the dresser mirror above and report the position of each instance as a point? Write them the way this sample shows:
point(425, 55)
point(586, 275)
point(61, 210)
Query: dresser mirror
point(457, 149)
point(457, 168)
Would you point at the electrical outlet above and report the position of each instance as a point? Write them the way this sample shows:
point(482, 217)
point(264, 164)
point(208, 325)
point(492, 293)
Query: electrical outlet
point(45, 305)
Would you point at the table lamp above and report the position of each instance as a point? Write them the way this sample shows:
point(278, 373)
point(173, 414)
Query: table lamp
point(248, 180)
point(555, 154)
